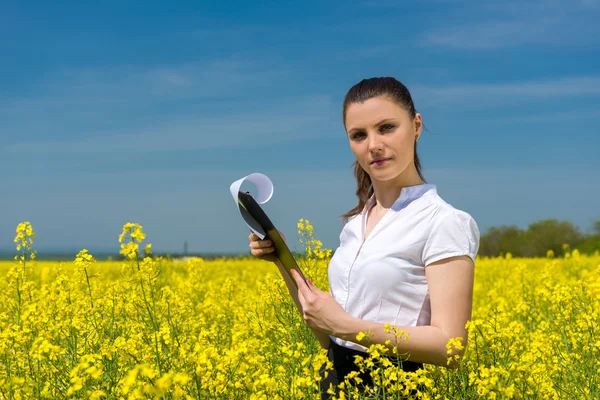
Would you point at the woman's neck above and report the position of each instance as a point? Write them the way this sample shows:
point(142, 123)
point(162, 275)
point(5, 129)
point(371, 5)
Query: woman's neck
point(387, 192)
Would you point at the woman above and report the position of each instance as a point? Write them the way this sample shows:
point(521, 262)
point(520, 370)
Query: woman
point(406, 257)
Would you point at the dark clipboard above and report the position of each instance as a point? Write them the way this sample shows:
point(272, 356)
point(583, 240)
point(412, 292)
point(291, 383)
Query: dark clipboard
point(255, 216)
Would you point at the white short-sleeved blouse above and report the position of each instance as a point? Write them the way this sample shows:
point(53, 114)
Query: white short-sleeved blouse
point(383, 278)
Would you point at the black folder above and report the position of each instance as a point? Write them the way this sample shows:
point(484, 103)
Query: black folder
point(255, 216)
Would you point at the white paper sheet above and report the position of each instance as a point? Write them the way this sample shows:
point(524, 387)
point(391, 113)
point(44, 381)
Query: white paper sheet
point(264, 188)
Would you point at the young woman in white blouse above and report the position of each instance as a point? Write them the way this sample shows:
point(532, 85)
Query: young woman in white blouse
point(406, 257)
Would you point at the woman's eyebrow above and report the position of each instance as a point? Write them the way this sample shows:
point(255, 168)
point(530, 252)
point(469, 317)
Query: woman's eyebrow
point(383, 121)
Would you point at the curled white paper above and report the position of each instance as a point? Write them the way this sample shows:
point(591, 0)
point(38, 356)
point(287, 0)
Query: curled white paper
point(264, 188)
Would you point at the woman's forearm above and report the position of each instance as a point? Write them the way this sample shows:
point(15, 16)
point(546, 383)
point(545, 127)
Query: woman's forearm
point(426, 344)
point(323, 338)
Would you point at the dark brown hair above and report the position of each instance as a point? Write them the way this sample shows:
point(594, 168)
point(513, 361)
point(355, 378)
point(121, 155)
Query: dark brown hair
point(359, 93)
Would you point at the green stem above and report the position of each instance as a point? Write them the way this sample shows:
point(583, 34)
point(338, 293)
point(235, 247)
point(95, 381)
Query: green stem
point(151, 315)
point(87, 278)
point(24, 260)
point(18, 302)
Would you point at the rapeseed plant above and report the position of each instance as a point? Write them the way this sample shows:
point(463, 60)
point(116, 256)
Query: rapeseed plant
point(149, 327)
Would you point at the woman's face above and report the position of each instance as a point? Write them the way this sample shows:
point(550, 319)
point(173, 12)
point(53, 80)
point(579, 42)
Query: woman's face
point(382, 137)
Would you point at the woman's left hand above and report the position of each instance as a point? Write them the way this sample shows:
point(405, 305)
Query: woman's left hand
point(320, 310)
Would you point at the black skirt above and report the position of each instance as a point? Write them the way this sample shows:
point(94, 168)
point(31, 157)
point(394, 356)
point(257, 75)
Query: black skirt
point(343, 363)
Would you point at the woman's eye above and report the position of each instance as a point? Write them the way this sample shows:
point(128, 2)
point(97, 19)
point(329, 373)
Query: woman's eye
point(386, 127)
point(357, 135)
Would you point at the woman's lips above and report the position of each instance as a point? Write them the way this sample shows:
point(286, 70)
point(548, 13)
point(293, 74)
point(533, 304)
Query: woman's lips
point(381, 162)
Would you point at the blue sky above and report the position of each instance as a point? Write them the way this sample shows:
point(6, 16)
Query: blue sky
point(147, 111)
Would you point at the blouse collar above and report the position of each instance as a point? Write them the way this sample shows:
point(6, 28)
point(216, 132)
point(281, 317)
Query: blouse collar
point(407, 195)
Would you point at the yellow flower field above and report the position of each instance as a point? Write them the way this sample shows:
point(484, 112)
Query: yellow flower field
point(148, 327)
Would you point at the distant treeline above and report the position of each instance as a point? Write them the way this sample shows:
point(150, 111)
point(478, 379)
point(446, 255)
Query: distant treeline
point(538, 238)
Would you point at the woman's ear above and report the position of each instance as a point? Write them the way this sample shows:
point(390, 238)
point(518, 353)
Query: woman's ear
point(418, 125)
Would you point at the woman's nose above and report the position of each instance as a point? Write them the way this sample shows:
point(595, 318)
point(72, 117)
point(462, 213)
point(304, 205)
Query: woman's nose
point(374, 142)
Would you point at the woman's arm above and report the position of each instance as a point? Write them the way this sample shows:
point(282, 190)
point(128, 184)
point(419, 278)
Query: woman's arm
point(450, 284)
point(322, 337)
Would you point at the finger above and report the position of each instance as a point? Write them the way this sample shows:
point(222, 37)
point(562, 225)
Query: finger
point(301, 299)
point(306, 292)
point(262, 252)
point(253, 236)
point(259, 244)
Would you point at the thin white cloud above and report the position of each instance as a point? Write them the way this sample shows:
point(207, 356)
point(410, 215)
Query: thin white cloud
point(561, 116)
point(305, 117)
point(158, 107)
point(500, 24)
point(118, 86)
point(481, 95)
point(493, 35)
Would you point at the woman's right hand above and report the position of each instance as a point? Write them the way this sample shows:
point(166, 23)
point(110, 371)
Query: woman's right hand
point(263, 249)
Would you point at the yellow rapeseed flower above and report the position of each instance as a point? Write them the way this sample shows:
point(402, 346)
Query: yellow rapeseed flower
point(227, 328)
